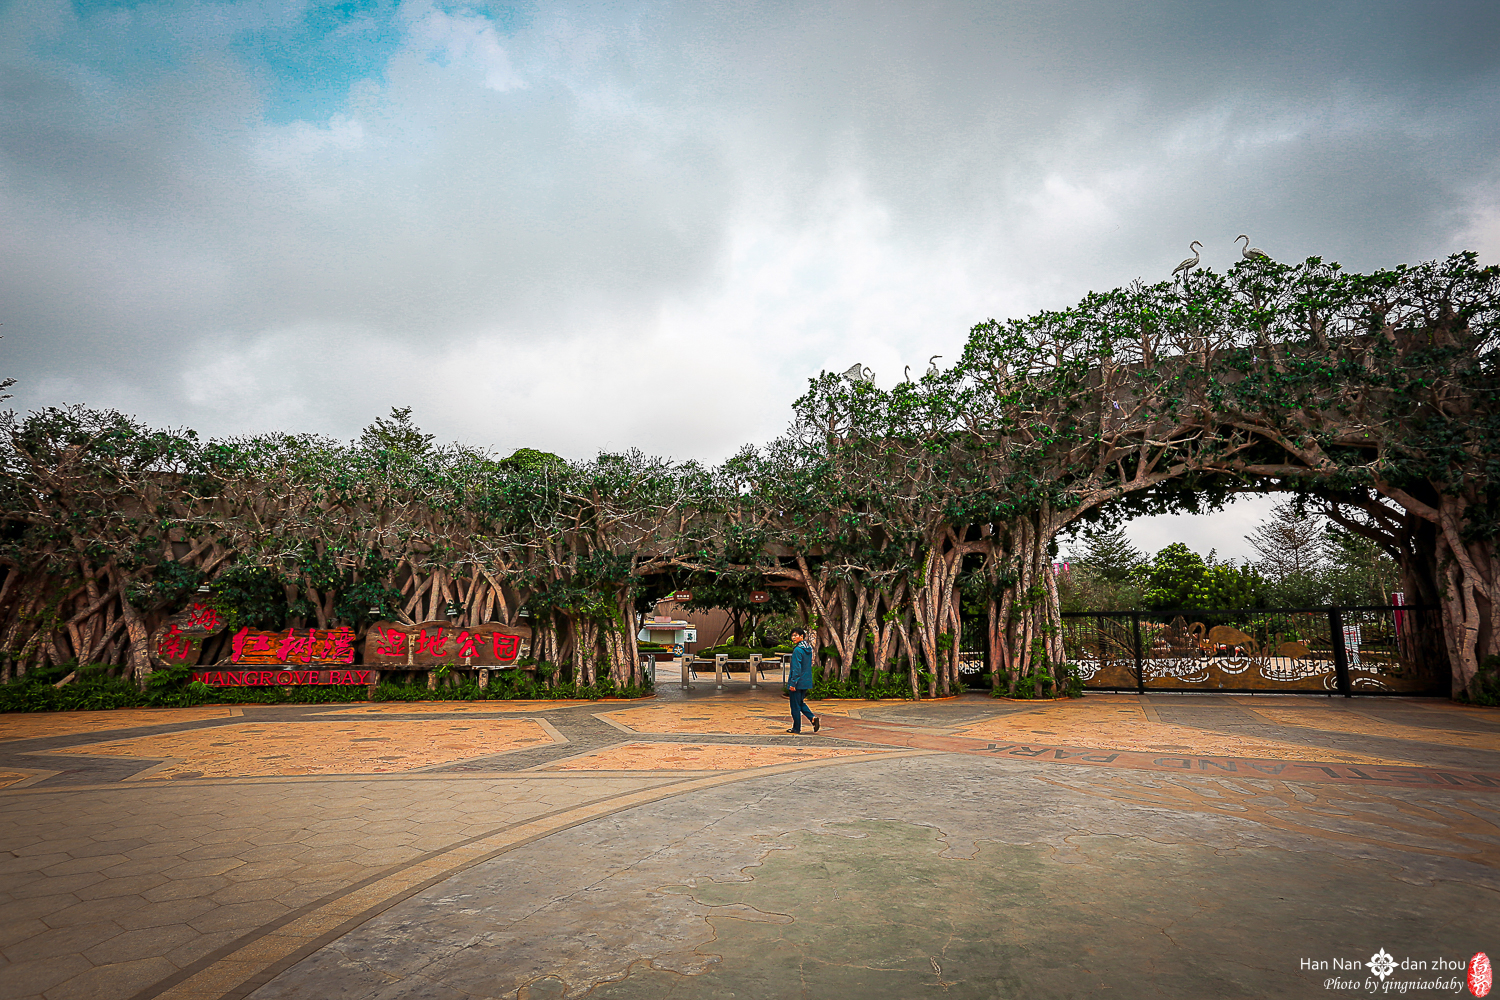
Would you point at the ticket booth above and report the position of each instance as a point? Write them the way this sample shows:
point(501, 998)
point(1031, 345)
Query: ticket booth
point(674, 633)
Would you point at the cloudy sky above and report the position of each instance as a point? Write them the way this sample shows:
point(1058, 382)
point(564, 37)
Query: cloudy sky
point(596, 226)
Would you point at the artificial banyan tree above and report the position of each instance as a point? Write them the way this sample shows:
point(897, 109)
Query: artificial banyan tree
point(883, 511)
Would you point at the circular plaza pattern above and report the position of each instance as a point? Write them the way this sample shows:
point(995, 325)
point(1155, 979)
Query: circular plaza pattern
point(687, 846)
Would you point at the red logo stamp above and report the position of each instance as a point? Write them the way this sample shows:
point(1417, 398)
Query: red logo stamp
point(1481, 976)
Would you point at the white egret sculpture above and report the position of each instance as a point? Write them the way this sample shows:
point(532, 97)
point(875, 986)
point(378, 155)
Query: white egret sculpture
point(932, 368)
point(1249, 252)
point(1191, 262)
point(859, 373)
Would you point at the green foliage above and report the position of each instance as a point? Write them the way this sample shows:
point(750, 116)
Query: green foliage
point(1358, 388)
point(1223, 586)
point(741, 652)
point(1038, 684)
point(533, 462)
point(1108, 555)
point(398, 433)
point(250, 596)
point(1175, 572)
point(886, 684)
point(1486, 687)
point(1180, 578)
point(170, 688)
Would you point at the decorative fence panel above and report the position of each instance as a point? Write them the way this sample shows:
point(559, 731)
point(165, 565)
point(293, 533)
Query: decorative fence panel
point(1339, 650)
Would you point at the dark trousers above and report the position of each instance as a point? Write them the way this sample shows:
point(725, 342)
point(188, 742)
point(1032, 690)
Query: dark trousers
point(799, 709)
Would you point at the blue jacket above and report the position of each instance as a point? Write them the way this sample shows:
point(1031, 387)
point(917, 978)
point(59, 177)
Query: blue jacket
point(800, 676)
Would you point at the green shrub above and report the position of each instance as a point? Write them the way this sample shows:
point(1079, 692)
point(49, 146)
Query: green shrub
point(739, 652)
point(885, 684)
point(171, 688)
point(1486, 687)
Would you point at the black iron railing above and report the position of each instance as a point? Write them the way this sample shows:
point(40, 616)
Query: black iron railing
point(1369, 649)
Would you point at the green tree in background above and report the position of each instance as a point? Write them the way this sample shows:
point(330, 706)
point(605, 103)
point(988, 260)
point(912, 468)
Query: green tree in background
point(1175, 571)
point(1226, 586)
point(398, 433)
point(530, 460)
point(1104, 575)
point(1109, 554)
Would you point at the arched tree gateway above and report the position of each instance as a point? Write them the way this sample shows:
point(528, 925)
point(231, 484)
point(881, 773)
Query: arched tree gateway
point(1375, 393)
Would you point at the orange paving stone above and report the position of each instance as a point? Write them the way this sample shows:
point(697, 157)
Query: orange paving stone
point(1317, 717)
point(1108, 724)
point(751, 715)
point(8, 778)
point(370, 746)
point(32, 725)
point(455, 707)
point(687, 757)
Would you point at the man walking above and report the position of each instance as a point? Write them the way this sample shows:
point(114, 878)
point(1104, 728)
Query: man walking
point(800, 681)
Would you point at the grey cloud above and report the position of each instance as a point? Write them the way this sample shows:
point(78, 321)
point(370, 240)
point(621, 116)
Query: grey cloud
point(1028, 151)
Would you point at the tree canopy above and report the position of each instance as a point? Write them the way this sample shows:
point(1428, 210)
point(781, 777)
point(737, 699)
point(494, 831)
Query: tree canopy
point(880, 511)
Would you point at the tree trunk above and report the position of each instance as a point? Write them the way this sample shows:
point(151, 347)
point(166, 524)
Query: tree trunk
point(1025, 627)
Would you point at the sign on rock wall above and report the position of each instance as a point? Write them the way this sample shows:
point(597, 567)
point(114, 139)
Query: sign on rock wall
point(292, 657)
point(437, 642)
point(179, 639)
point(300, 646)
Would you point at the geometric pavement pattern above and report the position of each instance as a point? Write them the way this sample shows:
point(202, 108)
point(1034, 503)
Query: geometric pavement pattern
point(686, 846)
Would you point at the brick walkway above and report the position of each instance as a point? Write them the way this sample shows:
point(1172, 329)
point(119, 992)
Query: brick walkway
point(225, 852)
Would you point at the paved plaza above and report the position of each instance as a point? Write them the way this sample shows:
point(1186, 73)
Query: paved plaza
point(686, 846)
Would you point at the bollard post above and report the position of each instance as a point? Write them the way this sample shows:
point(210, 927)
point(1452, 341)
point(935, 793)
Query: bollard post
point(719, 665)
point(1340, 651)
point(754, 671)
point(683, 661)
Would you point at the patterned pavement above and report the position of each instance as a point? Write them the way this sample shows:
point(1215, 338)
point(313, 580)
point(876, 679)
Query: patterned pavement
point(231, 851)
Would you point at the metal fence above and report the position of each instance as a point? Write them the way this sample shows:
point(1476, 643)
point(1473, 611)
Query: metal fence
point(1339, 650)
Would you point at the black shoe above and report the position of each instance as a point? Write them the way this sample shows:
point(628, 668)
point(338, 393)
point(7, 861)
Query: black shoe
point(797, 732)
point(816, 724)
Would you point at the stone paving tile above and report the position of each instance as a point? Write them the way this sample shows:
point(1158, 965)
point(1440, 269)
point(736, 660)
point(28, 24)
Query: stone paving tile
point(37, 725)
point(113, 980)
point(32, 977)
point(753, 713)
point(1366, 724)
point(693, 757)
point(293, 748)
point(67, 940)
point(146, 859)
point(457, 707)
point(190, 905)
point(1177, 886)
point(1116, 724)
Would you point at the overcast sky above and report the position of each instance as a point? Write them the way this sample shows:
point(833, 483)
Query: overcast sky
point(597, 226)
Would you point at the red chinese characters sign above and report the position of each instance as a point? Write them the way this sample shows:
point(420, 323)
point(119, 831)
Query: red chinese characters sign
point(295, 646)
point(428, 643)
point(200, 619)
point(175, 647)
point(179, 640)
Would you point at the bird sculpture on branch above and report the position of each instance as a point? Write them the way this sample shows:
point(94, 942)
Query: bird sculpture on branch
point(859, 373)
point(1249, 252)
point(932, 368)
point(1191, 262)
